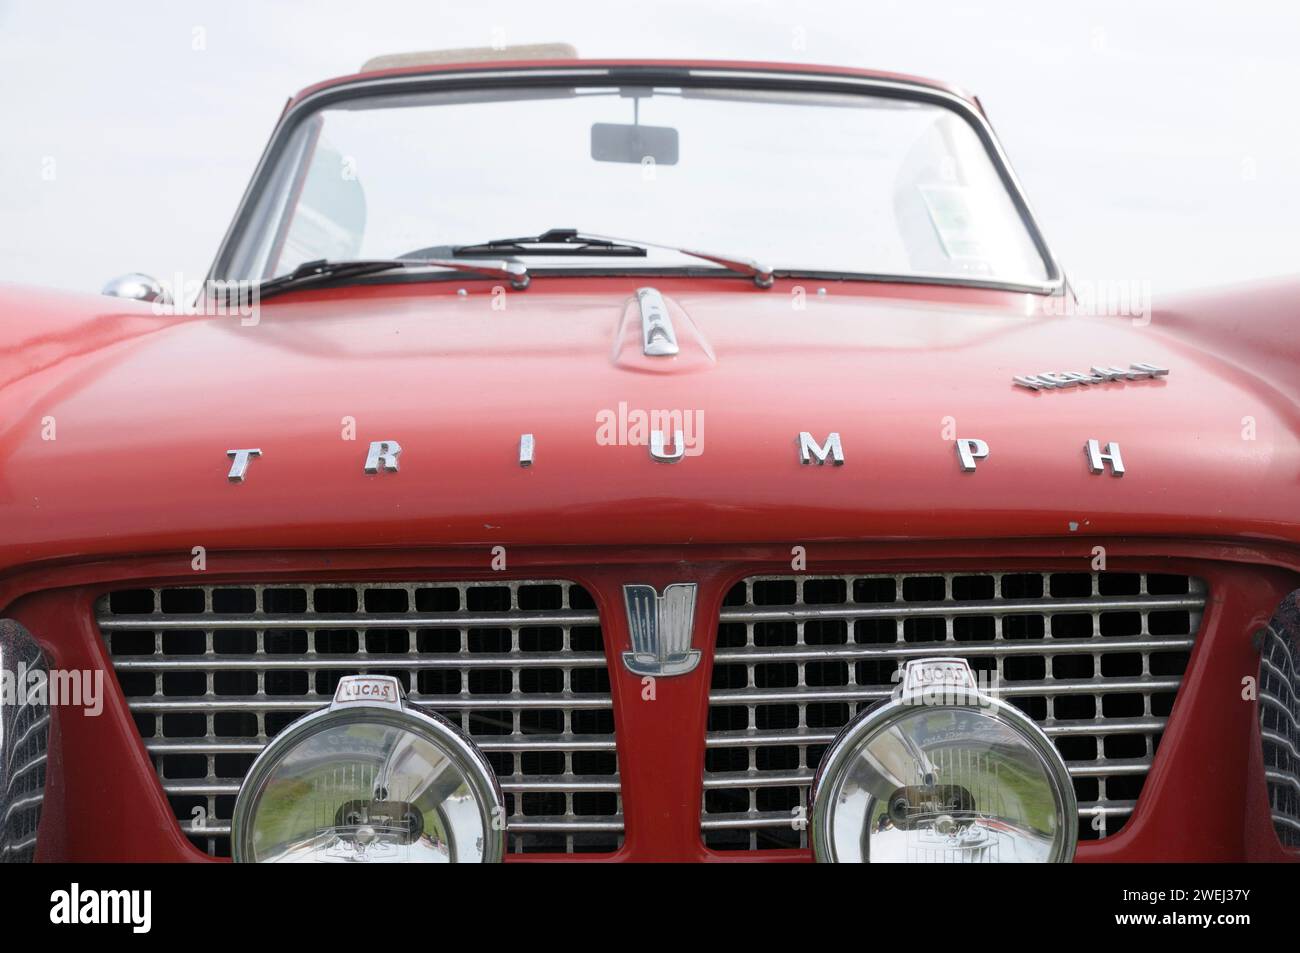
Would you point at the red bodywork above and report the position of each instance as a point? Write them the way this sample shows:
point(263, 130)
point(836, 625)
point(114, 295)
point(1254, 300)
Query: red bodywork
point(146, 407)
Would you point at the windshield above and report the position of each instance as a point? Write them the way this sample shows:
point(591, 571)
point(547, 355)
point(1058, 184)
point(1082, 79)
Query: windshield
point(804, 182)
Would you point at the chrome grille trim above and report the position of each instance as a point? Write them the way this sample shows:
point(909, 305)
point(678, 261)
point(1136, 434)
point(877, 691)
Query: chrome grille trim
point(1088, 679)
point(1279, 718)
point(519, 665)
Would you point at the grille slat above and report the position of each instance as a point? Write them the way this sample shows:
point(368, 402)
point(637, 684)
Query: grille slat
point(310, 702)
point(531, 783)
point(1095, 658)
point(255, 663)
point(815, 695)
point(745, 822)
point(258, 620)
point(568, 825)
point(759, 739)
point(758, 779)
point(1106, 808)
point(212, 673)
point(796, 653)
point(1002, 607)
point(533, 825)
point(486, 743)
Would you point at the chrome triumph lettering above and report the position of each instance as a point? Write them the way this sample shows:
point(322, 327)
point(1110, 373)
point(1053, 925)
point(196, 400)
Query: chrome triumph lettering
point(810, 451)
point(382, 454)
point(239, 463)
point(1097, 460)
point(970, 449)
point(659, 451)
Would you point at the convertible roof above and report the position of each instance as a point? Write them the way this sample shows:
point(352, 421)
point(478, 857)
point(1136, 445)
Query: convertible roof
point(558, 55)
point(470, 54)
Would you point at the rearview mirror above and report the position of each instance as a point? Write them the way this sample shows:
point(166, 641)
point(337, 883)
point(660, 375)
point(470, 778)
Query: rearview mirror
point(617, 142)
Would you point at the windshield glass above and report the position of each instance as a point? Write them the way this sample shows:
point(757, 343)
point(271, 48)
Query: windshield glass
point(811, 182)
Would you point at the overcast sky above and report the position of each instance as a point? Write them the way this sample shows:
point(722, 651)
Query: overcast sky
point(1157, 141)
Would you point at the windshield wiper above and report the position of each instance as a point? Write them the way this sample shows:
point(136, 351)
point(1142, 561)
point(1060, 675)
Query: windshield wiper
point(323, 270)
point(556, 241)
point(762, 274)
point(571, 241)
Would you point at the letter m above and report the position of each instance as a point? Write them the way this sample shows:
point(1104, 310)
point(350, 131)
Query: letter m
point(811, 451)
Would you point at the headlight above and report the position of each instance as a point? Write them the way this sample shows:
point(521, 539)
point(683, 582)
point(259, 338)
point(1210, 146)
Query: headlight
point(943, 773)
point(369, 780)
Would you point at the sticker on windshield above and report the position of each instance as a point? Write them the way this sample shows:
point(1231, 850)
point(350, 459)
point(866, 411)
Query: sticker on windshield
point(950, 211)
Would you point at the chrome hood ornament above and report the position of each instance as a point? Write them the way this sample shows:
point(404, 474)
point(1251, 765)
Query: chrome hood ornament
point(661, 627)
point(658, 339)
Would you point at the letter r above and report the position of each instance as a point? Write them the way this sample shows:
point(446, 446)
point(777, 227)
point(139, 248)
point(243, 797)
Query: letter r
point(383, 454)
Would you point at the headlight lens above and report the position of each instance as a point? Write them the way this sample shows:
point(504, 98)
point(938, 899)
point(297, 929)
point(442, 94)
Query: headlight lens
point(369, 780)
point(970, 781)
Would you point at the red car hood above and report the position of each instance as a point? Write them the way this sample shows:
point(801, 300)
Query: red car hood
point(142, 410)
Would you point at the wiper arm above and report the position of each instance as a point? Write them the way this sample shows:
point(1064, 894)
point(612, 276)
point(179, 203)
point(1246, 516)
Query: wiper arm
point(323, 270)
point(762, 274)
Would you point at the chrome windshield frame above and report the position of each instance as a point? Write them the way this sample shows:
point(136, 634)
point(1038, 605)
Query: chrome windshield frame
point(595, 74)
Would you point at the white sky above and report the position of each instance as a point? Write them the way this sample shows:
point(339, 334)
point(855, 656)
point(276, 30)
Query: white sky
point(1158, 140)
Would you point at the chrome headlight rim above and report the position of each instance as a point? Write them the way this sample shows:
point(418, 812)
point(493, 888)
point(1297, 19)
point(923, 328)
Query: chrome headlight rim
point(24, 748)
point(882, 715)
point(464, 755)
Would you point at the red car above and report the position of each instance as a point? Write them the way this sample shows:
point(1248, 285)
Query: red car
point(695, 461)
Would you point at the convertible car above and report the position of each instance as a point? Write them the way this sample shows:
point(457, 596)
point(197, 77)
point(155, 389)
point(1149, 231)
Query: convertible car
point(620, 460)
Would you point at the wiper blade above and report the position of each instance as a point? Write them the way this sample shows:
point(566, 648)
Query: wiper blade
point(555, 241)
point(323, 270)
point(571, 241)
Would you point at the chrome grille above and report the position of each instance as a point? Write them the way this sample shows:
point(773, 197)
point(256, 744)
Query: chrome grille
point(1094, 658)
point(1279, 718)
point(212, 673)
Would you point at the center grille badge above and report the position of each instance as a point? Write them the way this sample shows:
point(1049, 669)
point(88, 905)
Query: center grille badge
point(661, 627)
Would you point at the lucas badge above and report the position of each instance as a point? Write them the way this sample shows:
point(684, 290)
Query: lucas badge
point(661, 628)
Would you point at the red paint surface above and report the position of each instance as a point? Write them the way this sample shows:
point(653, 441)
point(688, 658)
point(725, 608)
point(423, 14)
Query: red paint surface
point(147, 406)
